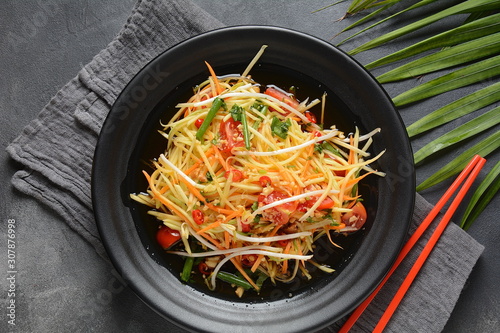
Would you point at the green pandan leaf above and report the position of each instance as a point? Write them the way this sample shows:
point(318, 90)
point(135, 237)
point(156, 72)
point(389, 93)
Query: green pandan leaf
point(361, 21)
point(481, 197)
point(456, 109)
point(463, 7)
point(470, 31)
point(453, 56)
point(480, 71)
point(483, 148)
point(378, 11)
point(465, 131)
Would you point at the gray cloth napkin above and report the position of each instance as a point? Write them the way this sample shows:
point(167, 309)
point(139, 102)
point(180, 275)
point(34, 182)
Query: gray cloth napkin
point(56, 150)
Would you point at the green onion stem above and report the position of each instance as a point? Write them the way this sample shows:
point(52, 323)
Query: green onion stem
point(246, 133)
point(186, 270)
point(216, 105)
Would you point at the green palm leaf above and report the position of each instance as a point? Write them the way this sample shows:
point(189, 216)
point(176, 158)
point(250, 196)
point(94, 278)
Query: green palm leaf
point(465, 131)
point(483, 149)
point(475, 29)
point(456, 109)
point(480, 71)
point(453, 56)
point(360, 21)
point(378, 11)
point(463, 7)
point(357, 6)
point(482, 196)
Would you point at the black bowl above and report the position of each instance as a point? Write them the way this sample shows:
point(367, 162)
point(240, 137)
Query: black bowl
point(126, 141)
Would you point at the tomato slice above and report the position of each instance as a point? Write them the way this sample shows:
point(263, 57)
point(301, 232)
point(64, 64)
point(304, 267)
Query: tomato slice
point(245, 227)
point(230, 135)
point(166, 237)
point(327, 203)
point(237, 174)
point(355, 218)
point(283, 96)
point(279, 214)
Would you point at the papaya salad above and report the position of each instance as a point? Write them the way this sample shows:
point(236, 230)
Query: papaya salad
point(250, 180)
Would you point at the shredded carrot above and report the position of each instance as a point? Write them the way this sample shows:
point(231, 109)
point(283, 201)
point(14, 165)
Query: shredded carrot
point(233, 260)
point(209, 227)
point(337, 227)
point(350, 160)
point(166, 202)
point(213, 241)
point(356, 180)
point(163, 190)
point(208, 153)
point(245, 275)
point(312, 176)
point(218, 209)
point(227, 239)
point(284, 267)
point(233, 215)
point(219, 157)
point(215, 78)
point(197, 194)
point(259, 258)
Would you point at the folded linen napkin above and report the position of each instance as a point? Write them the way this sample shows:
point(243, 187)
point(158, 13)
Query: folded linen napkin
point(56, 150)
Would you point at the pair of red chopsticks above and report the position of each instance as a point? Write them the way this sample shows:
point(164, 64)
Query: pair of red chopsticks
point(469, 174)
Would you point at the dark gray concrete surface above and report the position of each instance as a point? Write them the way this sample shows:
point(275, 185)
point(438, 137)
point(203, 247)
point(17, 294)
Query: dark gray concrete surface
point(62, 285)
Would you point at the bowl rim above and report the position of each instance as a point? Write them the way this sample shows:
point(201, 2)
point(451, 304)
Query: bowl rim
point(185, 305)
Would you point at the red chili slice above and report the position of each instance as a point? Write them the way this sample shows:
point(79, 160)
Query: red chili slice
point(264, 181)
point(230, 135)
point(311, 117)
point(198, 216)
point(198, 122)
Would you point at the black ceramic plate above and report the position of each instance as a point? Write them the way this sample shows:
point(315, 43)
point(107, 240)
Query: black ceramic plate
point(127, 139)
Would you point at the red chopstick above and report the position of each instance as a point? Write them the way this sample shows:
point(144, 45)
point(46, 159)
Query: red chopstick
point(473, 169)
